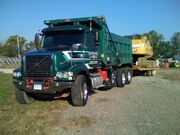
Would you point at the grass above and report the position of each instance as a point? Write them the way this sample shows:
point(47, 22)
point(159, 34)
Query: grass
point(43, 117)
point(170, 73)
point(40, 117)
point(5, 88)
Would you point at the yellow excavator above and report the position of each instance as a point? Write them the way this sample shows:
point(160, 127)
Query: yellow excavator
point(143, 61)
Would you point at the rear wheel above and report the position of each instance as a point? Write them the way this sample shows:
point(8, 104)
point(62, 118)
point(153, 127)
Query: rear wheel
point(79, 91)
point(128, 75)
point(23, 97)
point(121, 77)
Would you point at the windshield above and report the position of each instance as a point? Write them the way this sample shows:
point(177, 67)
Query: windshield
point(62, 40)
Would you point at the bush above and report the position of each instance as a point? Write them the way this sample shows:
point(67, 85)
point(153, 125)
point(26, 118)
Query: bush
point(8, 50)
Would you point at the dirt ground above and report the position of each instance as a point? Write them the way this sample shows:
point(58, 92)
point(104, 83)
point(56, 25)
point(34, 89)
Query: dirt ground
point(6, 70)
point(148, 106)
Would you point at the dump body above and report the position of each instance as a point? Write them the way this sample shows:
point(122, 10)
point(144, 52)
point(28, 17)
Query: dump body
point(120, 50)
point(73, 51)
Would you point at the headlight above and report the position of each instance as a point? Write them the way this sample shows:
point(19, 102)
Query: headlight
point(16, 74)
point(64, 74)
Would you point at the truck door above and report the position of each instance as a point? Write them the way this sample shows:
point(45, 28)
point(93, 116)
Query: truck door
point(92, 44)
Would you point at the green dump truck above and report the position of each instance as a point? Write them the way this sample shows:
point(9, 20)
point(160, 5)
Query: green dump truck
point(77, 55)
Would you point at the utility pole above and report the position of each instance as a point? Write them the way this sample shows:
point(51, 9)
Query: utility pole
point(17, 38)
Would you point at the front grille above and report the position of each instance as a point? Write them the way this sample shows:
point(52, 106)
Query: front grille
point(37, 65)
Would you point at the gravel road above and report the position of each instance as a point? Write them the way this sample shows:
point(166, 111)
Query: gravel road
point(148, 106)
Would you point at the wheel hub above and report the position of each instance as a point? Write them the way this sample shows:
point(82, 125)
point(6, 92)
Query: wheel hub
point(123, 78)
point(85, 91)
point(113, 77)
point(129, 76)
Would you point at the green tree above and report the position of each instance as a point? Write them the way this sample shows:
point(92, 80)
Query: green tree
point(155, 40)
point(10, 47)
point(164, 49)
point(175, 42)
point(29, 46)
point(137, 36)
point(8, 50)
point(13, 40)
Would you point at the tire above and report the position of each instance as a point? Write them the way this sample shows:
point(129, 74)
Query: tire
point(23, 97)
point(128, 75)
point(154, 72)
point(79, 91)
point(121, 77)
point(149, 73)
point(144, 73)
point(112, 78)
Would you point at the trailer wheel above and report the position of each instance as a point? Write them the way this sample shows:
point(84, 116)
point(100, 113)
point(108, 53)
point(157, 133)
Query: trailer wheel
point(149, 73)
point(23, 97)
point(121, 77)
point(79, 91)
point(128, 75)
point(154, 72)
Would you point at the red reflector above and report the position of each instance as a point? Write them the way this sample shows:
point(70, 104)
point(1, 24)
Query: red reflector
point(29, 83)
point(103, 74)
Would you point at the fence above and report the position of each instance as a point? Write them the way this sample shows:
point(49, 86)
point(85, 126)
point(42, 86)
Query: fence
point(9, 61)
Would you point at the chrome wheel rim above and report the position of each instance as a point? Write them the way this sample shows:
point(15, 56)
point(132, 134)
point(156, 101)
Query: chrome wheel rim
point(129, 76)
point(85, 91)
point(113, 77)
point(123, 78)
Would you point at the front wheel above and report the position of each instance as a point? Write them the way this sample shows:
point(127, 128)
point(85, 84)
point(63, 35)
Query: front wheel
point(79, 91)
point(23, 97)
point(112, 78)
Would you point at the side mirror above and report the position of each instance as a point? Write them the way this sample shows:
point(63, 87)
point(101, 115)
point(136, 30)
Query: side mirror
point(37, 40)
point(76, 46)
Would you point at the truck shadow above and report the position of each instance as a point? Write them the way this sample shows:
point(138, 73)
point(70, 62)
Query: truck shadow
point(64, 95)
point(103, 89)
point(140, 73)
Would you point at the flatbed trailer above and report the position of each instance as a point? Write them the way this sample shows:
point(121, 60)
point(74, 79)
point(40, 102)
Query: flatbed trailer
point(143, 61)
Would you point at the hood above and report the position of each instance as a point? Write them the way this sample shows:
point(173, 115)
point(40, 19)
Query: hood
point(39, 51)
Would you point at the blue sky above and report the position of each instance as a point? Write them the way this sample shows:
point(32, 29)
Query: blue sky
point(124, 17)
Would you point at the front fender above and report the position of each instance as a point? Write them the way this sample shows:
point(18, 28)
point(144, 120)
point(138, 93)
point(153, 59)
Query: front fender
point(79, 69)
